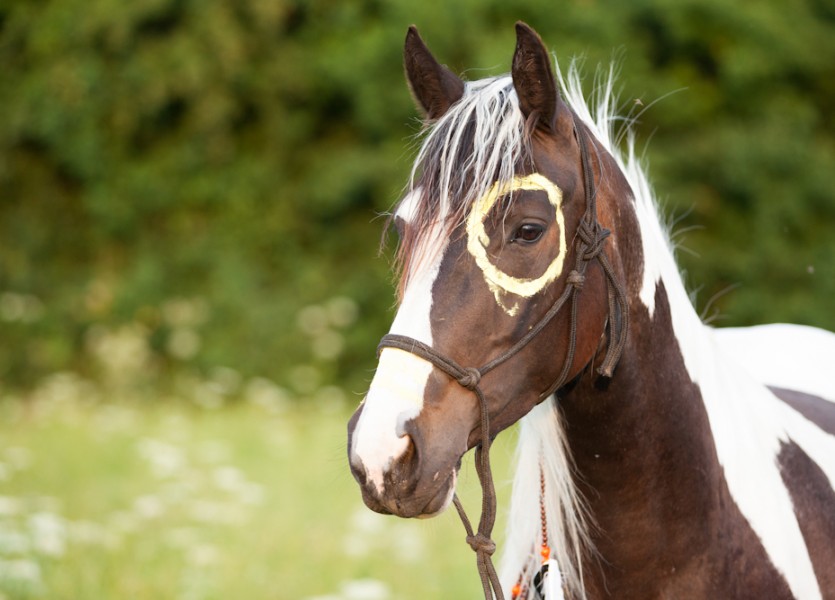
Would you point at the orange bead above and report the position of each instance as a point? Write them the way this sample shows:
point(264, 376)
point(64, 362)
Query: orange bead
point(545, 553)
point(517, 589)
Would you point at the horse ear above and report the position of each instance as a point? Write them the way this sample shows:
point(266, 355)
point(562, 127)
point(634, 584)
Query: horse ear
point(434, 87)
point(533, 78)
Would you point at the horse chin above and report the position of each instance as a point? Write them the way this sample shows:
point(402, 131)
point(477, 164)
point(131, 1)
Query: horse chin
point(413, 506)
point(441, 501)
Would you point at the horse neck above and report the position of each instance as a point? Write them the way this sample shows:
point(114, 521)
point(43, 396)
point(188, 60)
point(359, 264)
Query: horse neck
point(648, 417)
point(617, 439)
point(638, 438)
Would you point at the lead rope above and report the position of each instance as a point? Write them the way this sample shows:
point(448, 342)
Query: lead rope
point(591, 238)
point(480, 540)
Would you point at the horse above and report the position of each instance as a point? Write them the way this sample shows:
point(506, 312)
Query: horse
point(657, 457)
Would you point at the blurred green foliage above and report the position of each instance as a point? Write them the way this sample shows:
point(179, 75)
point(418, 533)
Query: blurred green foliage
point(206, 176)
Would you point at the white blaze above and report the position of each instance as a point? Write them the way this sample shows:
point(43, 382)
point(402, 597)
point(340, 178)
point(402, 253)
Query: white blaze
point(396, 392)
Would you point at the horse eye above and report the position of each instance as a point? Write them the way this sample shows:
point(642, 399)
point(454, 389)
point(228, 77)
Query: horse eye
point(528, 233)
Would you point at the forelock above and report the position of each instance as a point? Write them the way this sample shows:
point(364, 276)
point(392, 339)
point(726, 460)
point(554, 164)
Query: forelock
point(480, 140)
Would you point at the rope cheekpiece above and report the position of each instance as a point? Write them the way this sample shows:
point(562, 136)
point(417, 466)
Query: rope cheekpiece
point(591, 238)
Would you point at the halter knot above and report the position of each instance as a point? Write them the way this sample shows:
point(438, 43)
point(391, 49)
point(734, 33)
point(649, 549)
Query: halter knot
point(481, 543)
point(576, 279)
point(593, 236)
point(470, 378)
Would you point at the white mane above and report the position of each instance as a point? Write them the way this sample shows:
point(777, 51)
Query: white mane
point(477, 142)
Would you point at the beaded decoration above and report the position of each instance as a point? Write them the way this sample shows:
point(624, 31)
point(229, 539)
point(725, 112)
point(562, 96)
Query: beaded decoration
point(547, 582)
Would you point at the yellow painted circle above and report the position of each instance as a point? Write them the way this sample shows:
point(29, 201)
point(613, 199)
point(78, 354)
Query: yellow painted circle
point(477, 239)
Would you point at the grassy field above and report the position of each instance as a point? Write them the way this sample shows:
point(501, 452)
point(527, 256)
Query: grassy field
point(168, 499)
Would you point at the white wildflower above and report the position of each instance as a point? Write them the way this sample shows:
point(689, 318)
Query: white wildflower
point(229, 479)
point(49, 533)
point(203, 555)
point(365, 589)
point(13, 542)
point(10, 506)
point(164, 459)
point(149, 507)
point(21, 572)
point(18, 457)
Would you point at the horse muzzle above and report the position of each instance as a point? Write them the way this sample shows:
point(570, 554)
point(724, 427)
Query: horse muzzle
point(403, 484)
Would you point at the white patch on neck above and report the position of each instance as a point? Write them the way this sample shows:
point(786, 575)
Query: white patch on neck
point(653, 241)
point(396, 392)
point(794, 357)
point(747, 421)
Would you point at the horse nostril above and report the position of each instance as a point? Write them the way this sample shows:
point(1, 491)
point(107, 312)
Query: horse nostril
point(404, 470)
point(405, 430)
point(409, 455)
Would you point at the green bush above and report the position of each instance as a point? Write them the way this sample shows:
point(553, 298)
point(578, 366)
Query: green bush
point(208, 176)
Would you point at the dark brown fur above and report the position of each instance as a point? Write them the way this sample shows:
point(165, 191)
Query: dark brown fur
point(810, 490)
point(819, 411)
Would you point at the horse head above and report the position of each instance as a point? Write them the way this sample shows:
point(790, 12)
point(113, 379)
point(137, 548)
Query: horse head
point(508, 281)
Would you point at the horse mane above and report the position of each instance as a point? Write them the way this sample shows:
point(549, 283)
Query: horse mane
point(481, 139)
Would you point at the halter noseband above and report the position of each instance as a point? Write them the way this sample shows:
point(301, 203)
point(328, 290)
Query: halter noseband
point(591, 238)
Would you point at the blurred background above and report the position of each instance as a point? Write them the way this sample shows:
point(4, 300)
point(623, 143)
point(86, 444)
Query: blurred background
point(191, 288)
